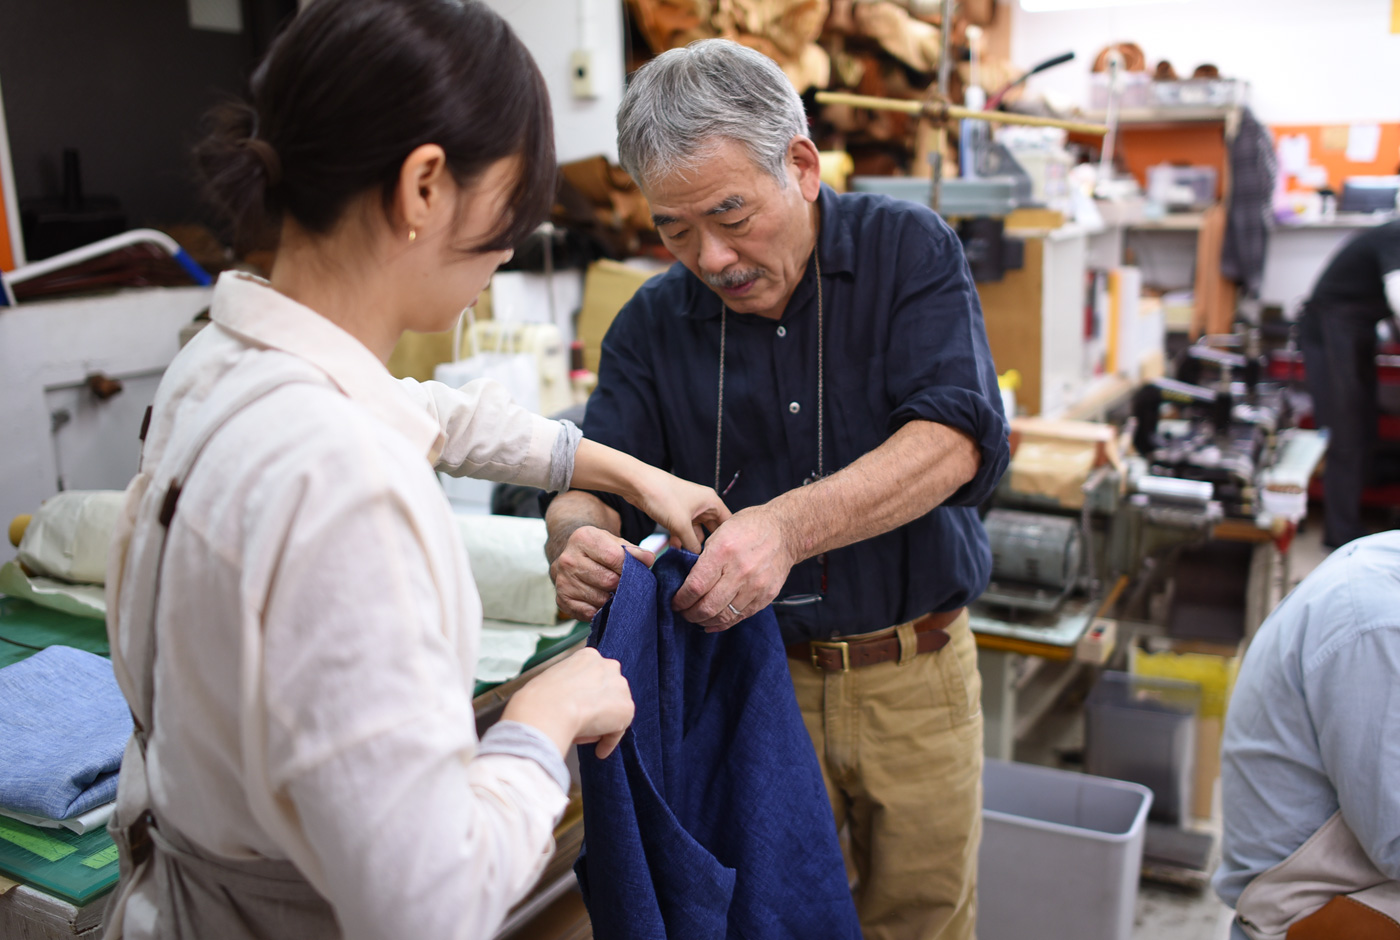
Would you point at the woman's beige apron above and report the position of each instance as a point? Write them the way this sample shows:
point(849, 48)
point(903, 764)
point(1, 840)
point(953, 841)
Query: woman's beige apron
point(196, 896)
point(1327, 890)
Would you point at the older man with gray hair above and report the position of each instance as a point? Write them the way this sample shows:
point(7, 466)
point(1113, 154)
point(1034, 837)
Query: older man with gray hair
point(822, 361)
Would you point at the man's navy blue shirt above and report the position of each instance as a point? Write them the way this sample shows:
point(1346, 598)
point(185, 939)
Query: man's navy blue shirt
point(904, 341)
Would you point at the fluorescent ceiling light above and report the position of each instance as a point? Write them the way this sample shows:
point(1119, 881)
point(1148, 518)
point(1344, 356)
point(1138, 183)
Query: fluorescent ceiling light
point(1054, 6)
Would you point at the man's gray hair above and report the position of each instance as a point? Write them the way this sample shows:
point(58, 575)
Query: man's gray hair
point(681, 104)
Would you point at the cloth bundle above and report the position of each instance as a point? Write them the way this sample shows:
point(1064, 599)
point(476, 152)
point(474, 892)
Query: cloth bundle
point(62, 558)
point(711, 819)
point(63, 728)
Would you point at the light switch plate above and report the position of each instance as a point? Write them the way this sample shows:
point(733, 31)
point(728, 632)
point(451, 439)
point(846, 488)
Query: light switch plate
point(581, 74)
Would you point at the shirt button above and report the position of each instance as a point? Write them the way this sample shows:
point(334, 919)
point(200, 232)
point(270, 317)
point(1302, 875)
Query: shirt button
point(794, 407)
point(782, 331)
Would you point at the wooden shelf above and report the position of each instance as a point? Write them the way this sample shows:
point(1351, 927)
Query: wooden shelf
point(1137, 116)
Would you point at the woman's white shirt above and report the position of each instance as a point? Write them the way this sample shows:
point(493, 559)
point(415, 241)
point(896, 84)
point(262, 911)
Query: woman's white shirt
point(318, 624)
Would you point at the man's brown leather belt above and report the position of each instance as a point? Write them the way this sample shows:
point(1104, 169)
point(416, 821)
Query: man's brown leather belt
point(841, 655)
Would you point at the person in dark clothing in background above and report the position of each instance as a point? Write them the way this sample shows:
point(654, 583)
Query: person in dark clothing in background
point(1337, 333)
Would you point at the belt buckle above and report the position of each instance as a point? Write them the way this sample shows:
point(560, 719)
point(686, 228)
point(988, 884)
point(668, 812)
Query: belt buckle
point(841, 645)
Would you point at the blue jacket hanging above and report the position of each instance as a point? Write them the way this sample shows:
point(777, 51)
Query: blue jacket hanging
point(711, 820)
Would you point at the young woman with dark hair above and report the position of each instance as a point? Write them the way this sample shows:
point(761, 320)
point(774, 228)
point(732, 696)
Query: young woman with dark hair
point(305, 762)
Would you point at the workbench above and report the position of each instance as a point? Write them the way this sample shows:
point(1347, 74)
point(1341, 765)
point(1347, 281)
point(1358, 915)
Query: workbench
point(1026, 668)
point(28, 913)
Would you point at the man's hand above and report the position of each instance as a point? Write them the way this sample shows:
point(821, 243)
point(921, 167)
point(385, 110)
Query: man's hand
point(587, 571)
point(744, 565)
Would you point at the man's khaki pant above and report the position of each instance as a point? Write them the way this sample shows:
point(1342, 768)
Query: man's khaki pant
point(900, 746)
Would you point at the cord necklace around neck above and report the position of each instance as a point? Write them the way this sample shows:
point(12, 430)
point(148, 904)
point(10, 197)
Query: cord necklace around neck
point(821, 388)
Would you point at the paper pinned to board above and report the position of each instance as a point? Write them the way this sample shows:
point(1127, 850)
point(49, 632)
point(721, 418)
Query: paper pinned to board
point(1294, 153)
point(1363, 143)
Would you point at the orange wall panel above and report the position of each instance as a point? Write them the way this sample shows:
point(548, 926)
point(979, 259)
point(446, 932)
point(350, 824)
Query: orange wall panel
point(7, 253)
point(1327, 148)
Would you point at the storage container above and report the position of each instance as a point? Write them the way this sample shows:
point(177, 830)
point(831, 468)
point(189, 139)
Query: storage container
point(1213, 667)
point(1135, 90)
point(1144, 730)
point(1181, 187)
point(1061, 854)
point(995, 196)
point(1200, 93)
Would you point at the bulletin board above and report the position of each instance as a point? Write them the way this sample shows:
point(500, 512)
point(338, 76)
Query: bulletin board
point(1332, 148)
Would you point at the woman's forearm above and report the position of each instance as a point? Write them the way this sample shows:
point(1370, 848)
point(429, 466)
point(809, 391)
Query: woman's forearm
point(599, 467)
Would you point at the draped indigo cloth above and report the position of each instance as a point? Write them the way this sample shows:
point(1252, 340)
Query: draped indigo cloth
point(63, 729)
point(711, 819)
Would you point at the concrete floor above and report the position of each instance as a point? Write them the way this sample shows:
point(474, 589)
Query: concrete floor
point(1168, 913)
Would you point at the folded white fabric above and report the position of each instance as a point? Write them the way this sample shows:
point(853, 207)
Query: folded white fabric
point(87, 822)
point(68, 536)
point(508, 564)
point(80, 600)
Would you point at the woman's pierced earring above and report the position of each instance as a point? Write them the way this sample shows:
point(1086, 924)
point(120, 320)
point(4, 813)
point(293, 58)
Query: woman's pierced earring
point(412, 235)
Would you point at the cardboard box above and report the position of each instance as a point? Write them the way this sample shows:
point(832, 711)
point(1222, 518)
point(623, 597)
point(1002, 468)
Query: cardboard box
point(606, 289)
point(418, 354)
point(1053, 458)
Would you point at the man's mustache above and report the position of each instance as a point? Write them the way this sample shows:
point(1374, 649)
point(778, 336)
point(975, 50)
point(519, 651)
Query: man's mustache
point(734, 278)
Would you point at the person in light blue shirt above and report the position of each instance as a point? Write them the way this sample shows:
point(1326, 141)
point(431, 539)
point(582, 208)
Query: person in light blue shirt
point(1314, 723)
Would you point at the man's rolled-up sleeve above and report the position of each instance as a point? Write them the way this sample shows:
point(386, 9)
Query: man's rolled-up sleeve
point(940, 364)
point(623, 411)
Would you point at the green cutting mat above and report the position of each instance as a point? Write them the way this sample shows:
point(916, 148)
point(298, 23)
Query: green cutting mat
point(26, 628)
point(80, 868)
point(74, 867)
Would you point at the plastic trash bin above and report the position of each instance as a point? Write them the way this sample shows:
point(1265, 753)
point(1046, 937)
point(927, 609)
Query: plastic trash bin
point(1143, 729)
point(1061, 854)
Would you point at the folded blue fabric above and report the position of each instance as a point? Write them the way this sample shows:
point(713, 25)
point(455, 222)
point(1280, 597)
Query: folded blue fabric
point(711, 820)
point(63, 727)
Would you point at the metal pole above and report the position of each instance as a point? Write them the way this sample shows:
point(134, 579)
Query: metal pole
point(945, 72)
point(945, 112)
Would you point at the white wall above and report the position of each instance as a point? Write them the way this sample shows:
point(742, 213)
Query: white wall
point(552, 30)
point(1308, 62)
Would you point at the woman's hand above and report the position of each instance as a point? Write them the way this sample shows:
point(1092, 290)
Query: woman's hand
point(684, 509)
point(582, 700)
point(681, 508)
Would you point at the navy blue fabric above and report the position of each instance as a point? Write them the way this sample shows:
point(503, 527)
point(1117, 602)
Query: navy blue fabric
point(904, 341)
point(711, 819)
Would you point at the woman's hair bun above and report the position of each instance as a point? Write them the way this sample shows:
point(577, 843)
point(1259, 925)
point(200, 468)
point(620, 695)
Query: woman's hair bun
point(272, 166)
point(347, 91)
point(240, 171)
